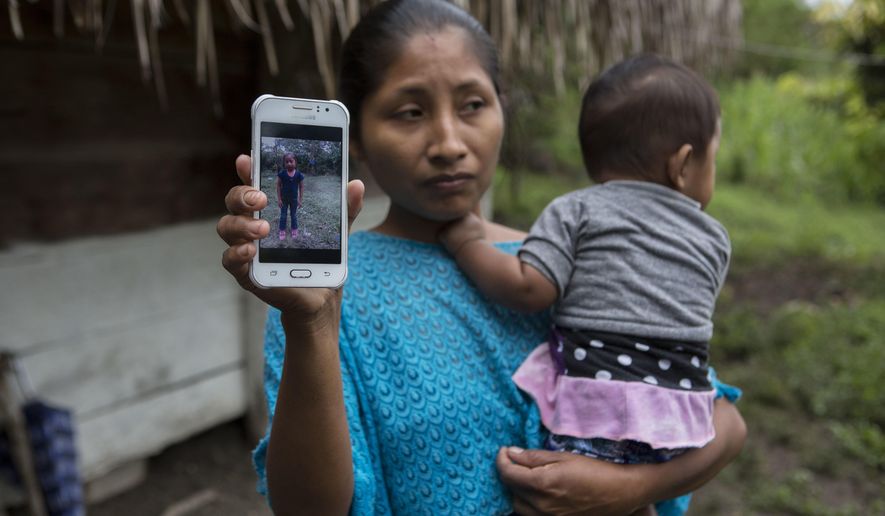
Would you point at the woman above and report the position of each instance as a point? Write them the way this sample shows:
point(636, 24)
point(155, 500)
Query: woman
point(397, 399)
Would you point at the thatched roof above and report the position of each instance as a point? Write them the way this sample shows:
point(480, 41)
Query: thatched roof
point(537, 36)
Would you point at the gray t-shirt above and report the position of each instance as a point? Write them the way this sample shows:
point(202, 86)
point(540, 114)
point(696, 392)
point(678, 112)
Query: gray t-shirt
point(631, 257)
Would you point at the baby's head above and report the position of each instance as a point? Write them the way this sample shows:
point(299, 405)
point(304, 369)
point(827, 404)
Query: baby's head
point(290, 161)
point(650, 119)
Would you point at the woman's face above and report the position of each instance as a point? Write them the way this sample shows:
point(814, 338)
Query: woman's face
point(432, 131)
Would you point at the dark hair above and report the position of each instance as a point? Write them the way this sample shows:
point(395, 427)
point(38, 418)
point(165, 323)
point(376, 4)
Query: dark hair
point(639, 112)
point(377, 40)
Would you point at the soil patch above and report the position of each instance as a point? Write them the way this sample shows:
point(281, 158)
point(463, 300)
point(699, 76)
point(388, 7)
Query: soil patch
point(810, 281)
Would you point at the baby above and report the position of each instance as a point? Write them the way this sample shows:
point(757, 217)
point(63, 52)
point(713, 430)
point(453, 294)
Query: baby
point(632, 267)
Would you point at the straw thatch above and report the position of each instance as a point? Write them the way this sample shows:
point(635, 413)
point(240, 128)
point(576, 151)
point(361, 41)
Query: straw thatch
point(536, 36)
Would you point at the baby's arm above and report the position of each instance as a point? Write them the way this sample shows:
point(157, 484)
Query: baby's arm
point(504, 278)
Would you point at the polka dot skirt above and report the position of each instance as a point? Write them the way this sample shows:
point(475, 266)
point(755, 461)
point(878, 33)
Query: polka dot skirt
point(607, 356)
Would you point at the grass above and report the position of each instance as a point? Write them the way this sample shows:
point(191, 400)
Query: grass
point(800, 326)
point(318, 218)
point(767, 231)
point(764, 231)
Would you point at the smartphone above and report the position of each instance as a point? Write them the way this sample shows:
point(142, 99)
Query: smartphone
point(299, 160)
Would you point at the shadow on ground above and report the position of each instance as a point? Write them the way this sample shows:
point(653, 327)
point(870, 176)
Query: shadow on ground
point(208, 475)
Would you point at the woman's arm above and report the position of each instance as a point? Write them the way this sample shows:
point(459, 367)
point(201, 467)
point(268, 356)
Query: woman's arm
point(309, 467)
point(546, 482)
point(697, 467)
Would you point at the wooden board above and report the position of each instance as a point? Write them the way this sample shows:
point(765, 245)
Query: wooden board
point(55, 294)
point(103, 370)
point(143, 428)
point(140, 335)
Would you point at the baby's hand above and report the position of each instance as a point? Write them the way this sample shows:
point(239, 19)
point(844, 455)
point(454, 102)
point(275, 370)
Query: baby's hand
point(466, 229)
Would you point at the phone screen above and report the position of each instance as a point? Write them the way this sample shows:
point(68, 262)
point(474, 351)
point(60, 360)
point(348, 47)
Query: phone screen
point(300, 171)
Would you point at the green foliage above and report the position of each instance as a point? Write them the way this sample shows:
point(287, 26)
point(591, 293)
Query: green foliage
point(784, 137)
point(859, 27)
point(813, 400)
point(766, 230)
point(534, 193)
point(834, 358)
point(797, 495)
point(863, 440)
point(541, 138)
point(315, 157)
point(786, 23)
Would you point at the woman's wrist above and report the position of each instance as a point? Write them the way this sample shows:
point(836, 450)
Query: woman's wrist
point(308, 322)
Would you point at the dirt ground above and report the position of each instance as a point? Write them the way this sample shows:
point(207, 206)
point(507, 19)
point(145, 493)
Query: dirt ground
point(208, 475)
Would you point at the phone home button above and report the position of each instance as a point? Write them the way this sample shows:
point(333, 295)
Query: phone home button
point(299, 273)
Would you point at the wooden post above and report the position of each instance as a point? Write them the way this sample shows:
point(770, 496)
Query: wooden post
point(20, 446)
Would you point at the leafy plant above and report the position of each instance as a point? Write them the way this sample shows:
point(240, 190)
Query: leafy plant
point(796, 138)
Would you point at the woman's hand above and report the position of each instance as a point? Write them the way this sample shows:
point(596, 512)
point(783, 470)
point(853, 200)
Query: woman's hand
point(239, 229)
point(549, 482)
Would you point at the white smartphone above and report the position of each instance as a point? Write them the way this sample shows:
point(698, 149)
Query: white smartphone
point(299, 160)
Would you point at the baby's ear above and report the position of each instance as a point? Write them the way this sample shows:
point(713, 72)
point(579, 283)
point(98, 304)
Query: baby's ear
point(677, 166)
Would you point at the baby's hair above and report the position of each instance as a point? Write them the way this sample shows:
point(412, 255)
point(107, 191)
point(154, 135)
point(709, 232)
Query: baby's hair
point(378, 39)
point(292, 154)
point(639, 112)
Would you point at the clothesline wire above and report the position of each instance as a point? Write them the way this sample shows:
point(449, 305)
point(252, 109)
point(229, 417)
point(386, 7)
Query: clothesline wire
point(799, 53)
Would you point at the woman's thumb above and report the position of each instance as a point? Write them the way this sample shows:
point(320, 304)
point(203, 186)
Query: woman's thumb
point(532, 458)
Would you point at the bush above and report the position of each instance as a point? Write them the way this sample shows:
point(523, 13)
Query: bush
point(795, 137)
point(834, 358)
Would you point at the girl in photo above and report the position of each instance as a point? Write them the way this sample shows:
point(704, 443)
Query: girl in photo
point(290, 188)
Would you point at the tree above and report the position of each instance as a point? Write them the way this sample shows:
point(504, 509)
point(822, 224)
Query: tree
point(861, 29)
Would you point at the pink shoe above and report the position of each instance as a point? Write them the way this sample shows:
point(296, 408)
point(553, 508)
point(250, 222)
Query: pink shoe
point(294, 233)
point(282, 234)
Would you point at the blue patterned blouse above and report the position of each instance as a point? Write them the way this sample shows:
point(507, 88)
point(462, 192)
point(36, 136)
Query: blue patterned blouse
point(426, 363)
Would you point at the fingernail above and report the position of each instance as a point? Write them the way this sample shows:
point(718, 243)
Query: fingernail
point(251, 197)
point(243, 250)
point(516, 449)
